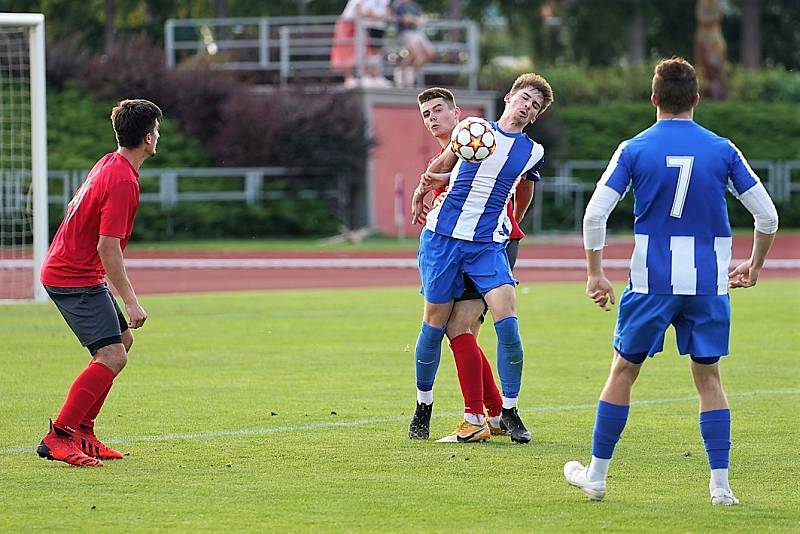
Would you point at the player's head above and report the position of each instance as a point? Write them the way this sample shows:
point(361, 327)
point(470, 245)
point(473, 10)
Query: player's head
point(675, 86)
point(529, 97)
point(136, 124)
point(439, 111)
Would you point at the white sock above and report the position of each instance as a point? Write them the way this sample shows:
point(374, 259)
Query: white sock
point(719, 478)
point(598, 469)
point(509, 402)
point(494, 421)
point(425, 397)
point(474, 418)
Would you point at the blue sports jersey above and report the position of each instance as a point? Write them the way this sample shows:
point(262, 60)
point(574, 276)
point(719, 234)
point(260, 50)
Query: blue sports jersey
point(679, 172)
point(475, 207)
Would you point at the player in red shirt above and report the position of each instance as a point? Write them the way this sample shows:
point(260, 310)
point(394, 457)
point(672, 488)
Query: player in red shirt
point(479, 389)
point(87, 250)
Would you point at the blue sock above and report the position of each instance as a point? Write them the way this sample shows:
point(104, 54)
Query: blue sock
point(509, 355)
point(715, 427)
point(608, 426)
point(427, 355)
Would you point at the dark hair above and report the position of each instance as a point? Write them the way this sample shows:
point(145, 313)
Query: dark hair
point(675, 85)
point(538, 83)
point(134, 119)
point(437, 92)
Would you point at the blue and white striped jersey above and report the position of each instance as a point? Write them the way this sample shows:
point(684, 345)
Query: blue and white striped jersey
point(475, 207)
point(679, 172)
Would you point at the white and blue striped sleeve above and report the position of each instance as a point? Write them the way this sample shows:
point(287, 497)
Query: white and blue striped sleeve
point(617, 175)
point(535, 163)
point(741, 177)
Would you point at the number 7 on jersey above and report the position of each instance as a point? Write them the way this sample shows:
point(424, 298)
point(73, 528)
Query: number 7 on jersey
point(684, 163)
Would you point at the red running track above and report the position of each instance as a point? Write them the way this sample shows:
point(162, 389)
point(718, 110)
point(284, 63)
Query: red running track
point(150, 281)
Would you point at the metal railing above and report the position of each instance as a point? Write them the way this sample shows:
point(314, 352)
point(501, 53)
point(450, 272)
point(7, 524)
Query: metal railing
point(562, 197)
point(294, 48)
point(777, 175)
point(251, 185)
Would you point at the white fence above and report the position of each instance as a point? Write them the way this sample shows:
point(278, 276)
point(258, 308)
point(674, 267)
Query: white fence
point(564, 195)
point(298, 48)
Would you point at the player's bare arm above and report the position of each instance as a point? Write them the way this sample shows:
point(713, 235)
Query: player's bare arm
point(746, 274)
point(434, 180)
point(110, 254)
point(522, 198)
point(598, 287)
point(443, 163)
point(760, 205)
point(419, 210)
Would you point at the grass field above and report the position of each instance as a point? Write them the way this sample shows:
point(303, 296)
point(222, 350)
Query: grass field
point(287, 411)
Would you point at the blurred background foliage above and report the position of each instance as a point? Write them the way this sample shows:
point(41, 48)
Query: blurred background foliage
point(598, 56)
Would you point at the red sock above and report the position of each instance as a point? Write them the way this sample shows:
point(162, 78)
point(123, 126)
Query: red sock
point(87, 388)
point(468, 364)
point(91, 415)
point(491, 395)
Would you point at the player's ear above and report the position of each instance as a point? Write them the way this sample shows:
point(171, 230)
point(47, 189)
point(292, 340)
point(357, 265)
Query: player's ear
point(457, 112)
point(654, 100)
point(696, 100)
point(507, 98)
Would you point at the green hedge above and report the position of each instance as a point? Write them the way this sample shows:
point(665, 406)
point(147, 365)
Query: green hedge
point(79, 132)
point(761, 131)
point(573, 84)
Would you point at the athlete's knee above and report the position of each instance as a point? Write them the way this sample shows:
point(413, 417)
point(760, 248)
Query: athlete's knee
point(624, 369)
point(706, 377)
point(127, 340)
point(502, 302)
point(115, 357)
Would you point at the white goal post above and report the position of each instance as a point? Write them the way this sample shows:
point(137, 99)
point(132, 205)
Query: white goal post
point(23, 156)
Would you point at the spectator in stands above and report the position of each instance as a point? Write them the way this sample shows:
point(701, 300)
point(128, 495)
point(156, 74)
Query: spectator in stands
point(419, 49)
point(343, 53)
point(371, 15)
point(374, 17)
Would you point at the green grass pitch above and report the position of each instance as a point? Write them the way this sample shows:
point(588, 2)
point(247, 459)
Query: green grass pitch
point(287, 411)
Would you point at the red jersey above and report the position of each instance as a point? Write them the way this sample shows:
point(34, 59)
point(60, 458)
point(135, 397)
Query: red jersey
point(516, 231)
point(104, 204)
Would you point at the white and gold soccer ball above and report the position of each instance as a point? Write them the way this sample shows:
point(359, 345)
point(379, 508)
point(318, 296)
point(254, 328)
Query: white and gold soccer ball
point(473, 139)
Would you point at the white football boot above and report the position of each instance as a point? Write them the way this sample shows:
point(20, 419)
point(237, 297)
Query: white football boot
point(576, 474)
point(722, 497)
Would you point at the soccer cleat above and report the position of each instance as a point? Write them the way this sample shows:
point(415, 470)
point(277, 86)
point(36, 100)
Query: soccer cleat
point(467, 432)
point(498, 430)
point(421, 422)
point(509, 418)
point(576, 475)
point(88, 443)
point(722, 497)
point(59, 445)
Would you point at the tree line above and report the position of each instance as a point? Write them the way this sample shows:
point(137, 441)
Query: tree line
point(593, 33)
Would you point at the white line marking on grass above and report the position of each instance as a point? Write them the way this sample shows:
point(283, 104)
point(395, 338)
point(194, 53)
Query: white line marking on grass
point(216, 434)
point(359, 263)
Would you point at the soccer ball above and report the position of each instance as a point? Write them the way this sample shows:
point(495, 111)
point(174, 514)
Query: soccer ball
point(473, 139)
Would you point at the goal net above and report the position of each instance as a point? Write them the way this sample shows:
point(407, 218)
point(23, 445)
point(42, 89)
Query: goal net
point(23, 164)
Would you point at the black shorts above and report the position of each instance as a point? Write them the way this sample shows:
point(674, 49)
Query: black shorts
point(471, 292)
point(92, 313)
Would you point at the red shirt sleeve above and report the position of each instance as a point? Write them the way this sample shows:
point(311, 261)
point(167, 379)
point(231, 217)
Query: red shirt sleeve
point(118, 209)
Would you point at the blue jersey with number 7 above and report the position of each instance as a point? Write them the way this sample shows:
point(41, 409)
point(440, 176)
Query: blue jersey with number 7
point(679, 173)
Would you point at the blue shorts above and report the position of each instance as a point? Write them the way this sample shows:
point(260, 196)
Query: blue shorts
point(702, 325)
point(444, 260)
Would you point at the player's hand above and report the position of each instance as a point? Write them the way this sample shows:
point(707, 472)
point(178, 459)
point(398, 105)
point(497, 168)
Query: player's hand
point(419, 210)
point(431, 180)
point(600, 290)
point(745, 275)
point(136, 315)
